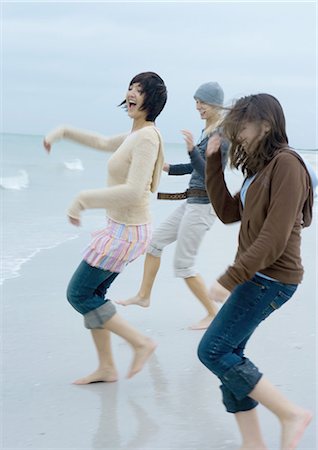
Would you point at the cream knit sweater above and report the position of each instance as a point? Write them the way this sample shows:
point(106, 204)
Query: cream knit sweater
point(134, 171)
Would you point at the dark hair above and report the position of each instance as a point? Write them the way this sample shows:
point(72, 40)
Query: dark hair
point(255, 108)
point(155, 93)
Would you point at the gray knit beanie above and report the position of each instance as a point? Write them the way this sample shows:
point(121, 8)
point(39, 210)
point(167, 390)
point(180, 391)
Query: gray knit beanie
point(210, 93)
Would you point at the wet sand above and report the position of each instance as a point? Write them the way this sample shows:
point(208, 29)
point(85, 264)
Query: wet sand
point(174, 403)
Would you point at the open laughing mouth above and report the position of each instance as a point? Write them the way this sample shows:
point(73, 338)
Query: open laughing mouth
point(131, 104)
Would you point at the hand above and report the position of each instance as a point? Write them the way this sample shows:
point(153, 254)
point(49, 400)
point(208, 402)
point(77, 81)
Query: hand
point(73, 221)
point(47, 146)
point(214, 144)
point(188, 137)
point(218, 293)
point(166, 167)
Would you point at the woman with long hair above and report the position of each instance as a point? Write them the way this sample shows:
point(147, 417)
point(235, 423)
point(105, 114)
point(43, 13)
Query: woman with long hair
point(273, 205)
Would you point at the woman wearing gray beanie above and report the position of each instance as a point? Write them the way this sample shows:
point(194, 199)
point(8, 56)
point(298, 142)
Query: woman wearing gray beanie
point(189, 222)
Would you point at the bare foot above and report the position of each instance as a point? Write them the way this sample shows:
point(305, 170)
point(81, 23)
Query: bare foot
point(136, 300)
point(293, 429)
point(100, 375)
point(203, 324)
point(142, 353)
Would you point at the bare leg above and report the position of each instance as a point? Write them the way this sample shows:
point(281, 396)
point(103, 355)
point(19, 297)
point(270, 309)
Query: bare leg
point(151, 267)
point(250, 430)
point(199, 289)
point(293, 418)
point(142, 346)
point(106, 370)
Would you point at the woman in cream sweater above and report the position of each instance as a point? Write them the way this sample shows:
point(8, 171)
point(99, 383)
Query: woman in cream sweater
point(134, 172)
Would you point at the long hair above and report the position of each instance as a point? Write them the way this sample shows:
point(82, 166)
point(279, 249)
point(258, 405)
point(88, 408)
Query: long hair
point(155, 91)
point(219, 112)
point(255, 108)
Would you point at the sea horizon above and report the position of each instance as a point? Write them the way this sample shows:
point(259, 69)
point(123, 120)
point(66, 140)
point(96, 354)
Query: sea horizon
point(8, 133)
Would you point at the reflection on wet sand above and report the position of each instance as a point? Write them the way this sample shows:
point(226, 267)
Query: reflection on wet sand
point(158, 413)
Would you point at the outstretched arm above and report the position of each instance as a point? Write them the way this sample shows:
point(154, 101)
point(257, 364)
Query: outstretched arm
point(83, 137)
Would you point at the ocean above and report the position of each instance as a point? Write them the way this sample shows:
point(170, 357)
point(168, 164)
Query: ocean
point(37, 188)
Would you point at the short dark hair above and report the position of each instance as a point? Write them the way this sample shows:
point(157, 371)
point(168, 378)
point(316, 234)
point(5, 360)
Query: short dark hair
point(155, 92)
point(255, 108)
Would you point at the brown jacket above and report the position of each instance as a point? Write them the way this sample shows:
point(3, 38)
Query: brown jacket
point(278, 204)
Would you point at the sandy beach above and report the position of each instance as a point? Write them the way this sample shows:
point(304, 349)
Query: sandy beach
point(174, 403)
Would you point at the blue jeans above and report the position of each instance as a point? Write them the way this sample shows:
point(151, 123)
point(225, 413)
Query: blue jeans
point(86, 293)
point(222, 347)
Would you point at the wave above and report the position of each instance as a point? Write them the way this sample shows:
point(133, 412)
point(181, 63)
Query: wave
point(11, 267)
point(20, 181)
point(75, 164)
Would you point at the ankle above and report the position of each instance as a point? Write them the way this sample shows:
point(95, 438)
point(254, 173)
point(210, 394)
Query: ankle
point(106, 367)
point(253, 445)
point(143, 342)
point(291, 414)
point(295, 414)
point(143, 295)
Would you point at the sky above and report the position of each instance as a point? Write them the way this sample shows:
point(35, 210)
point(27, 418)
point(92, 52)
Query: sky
point(71, 62)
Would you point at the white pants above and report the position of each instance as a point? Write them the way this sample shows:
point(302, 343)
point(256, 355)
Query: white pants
point(187, 225)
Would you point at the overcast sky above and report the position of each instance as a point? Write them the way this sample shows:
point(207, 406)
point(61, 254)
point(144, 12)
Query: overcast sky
point(71, 62)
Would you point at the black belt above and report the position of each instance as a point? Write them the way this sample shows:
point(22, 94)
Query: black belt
point(182, 195)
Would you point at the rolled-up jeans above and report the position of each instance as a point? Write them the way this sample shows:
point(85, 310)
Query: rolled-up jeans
point(86, 292)
point(222, 346)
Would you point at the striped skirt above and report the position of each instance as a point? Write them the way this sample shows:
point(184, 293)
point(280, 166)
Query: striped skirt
point(115, 246)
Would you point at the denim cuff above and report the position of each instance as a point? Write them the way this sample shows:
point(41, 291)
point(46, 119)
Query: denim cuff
point(233, 405)
point(241, 378)
point(97, 317)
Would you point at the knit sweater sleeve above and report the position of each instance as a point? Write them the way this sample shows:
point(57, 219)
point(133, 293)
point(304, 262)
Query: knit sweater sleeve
point(180, 169)
point(85, 137)
point(226, 206)
point(144, 154)
point(288, 190)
